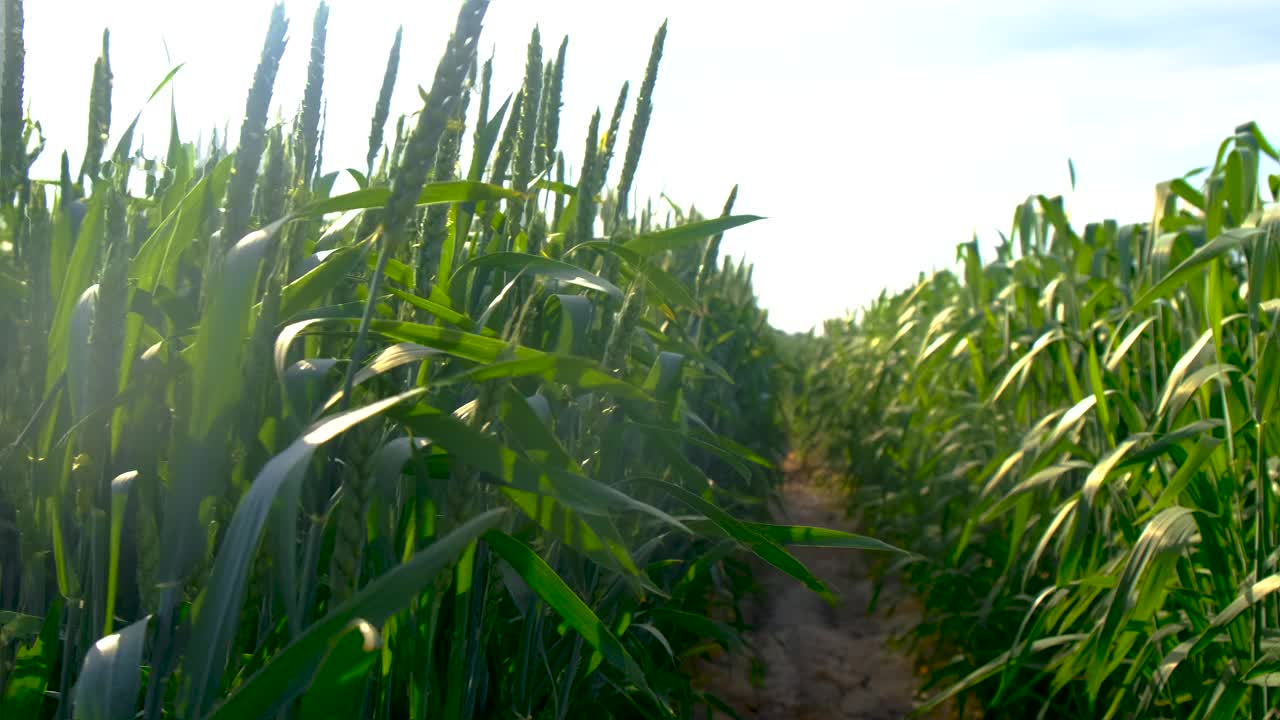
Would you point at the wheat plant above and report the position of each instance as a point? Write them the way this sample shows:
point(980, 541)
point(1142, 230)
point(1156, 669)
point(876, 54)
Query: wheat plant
point(426, 449)
point(1079, 434)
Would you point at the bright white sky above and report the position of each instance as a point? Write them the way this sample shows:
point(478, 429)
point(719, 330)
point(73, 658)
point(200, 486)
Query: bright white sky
point(874, 136)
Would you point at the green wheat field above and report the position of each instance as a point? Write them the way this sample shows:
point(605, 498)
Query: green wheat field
point(491, 437)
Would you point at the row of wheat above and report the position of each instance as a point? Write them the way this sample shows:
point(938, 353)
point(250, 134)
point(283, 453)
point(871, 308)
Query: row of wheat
point(439, 447)
point(1079, 438)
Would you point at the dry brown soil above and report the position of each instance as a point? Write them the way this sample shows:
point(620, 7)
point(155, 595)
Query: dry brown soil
point(819, 661)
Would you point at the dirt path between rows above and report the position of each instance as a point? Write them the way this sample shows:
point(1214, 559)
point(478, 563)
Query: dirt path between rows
point(819, 661)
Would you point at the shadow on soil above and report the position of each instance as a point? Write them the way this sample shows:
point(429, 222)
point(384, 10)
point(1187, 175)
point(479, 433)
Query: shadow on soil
point(818, 661)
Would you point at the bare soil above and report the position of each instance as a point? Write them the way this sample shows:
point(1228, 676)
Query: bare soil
point(819, 661)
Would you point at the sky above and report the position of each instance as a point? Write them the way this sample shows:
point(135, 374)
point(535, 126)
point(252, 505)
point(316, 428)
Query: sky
point(873, 137)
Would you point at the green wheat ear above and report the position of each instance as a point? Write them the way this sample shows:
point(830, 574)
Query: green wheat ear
point(552, 102)
point(608, 143)
point(431, 235)
point(618, 346)
point(309, 127)
point(440, 106)
point(640, 123)
point(383, 106)
point(587, 181)
point(13, 166)
point(610, 140)
point(397, 147)
point(711, 251)
point(407, 180)
point(507, 145)
point(541, 154)
point(275, 178)
point(559, 201)
point(253, 134)
point(99, 112)
point(527, 134)
point(523, 159)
